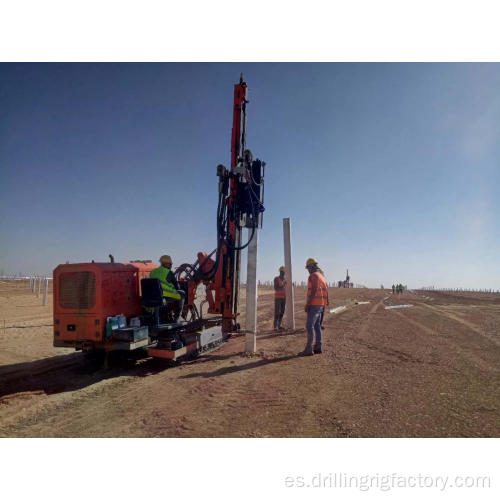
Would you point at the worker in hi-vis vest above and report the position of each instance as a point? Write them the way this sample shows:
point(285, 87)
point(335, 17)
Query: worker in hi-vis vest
point(169, 284)
point(279, 299)
point(317, 300)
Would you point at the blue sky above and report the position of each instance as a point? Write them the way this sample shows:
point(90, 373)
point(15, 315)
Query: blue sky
point(391, 170)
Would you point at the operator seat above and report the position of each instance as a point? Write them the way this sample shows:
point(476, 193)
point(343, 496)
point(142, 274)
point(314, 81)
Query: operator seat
point(152, 297)
point(152, 293)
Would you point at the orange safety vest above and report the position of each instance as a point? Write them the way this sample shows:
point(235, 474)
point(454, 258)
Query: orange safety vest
point(317, 293)
point(280, 293)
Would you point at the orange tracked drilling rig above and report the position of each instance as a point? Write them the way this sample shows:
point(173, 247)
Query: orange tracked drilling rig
point(87, 296)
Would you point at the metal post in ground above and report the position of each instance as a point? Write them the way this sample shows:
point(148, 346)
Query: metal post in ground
point(38, 287)
point(251, 300)
point(289, 308)
point(46, 286)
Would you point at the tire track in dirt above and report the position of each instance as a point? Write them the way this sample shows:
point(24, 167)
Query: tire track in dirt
point(211, 405)
point(451, 343)
point(462, 400)
point(426, 373)
point(83, 413)
point(349, 330)
point(369, 317)
point(131, 394)
point(400, 355)
point(267, 408)
point(363, 340)
point(462, 321)
point(360, 337)
point(53, 409)
point(71, 408)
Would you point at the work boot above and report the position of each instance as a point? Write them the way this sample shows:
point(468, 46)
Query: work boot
point(306, 352)
point(318, 350)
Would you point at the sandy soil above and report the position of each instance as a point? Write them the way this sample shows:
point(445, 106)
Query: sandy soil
point(430, 370)
point(25, 324)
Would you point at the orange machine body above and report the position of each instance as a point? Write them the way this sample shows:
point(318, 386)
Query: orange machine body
point(86, 294)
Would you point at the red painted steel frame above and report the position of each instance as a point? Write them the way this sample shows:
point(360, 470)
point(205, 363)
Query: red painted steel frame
point(228, 272)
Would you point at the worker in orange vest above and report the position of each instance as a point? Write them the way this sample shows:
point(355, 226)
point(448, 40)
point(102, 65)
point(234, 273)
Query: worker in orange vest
point(317, 300)
point(279, 299)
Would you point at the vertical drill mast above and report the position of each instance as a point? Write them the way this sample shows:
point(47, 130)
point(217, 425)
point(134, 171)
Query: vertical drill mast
point(240, 205)
point(231, 261)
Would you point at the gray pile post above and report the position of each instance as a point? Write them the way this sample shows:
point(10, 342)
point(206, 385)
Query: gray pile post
point(251, 310)
point(46, 283)
point(287, 242)
point(38, 287)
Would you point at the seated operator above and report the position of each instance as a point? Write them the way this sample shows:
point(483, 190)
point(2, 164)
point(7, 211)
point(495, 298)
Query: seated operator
point(169, 284)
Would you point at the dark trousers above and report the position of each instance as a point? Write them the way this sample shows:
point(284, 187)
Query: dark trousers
point(172, 309)
point(279, 311)
point(180, 304)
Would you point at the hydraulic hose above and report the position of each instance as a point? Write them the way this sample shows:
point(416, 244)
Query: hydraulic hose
point(255, 216)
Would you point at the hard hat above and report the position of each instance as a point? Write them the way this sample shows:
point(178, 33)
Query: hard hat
point(282, 269)
point(165, 259)
point(311, 261)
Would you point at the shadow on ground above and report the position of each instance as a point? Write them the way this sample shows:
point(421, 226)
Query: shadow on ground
point(233, 369)
point(75, 371)
point(71, 372)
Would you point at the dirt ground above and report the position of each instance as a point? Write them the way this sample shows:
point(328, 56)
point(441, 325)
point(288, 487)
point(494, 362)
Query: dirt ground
point(432, 370)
